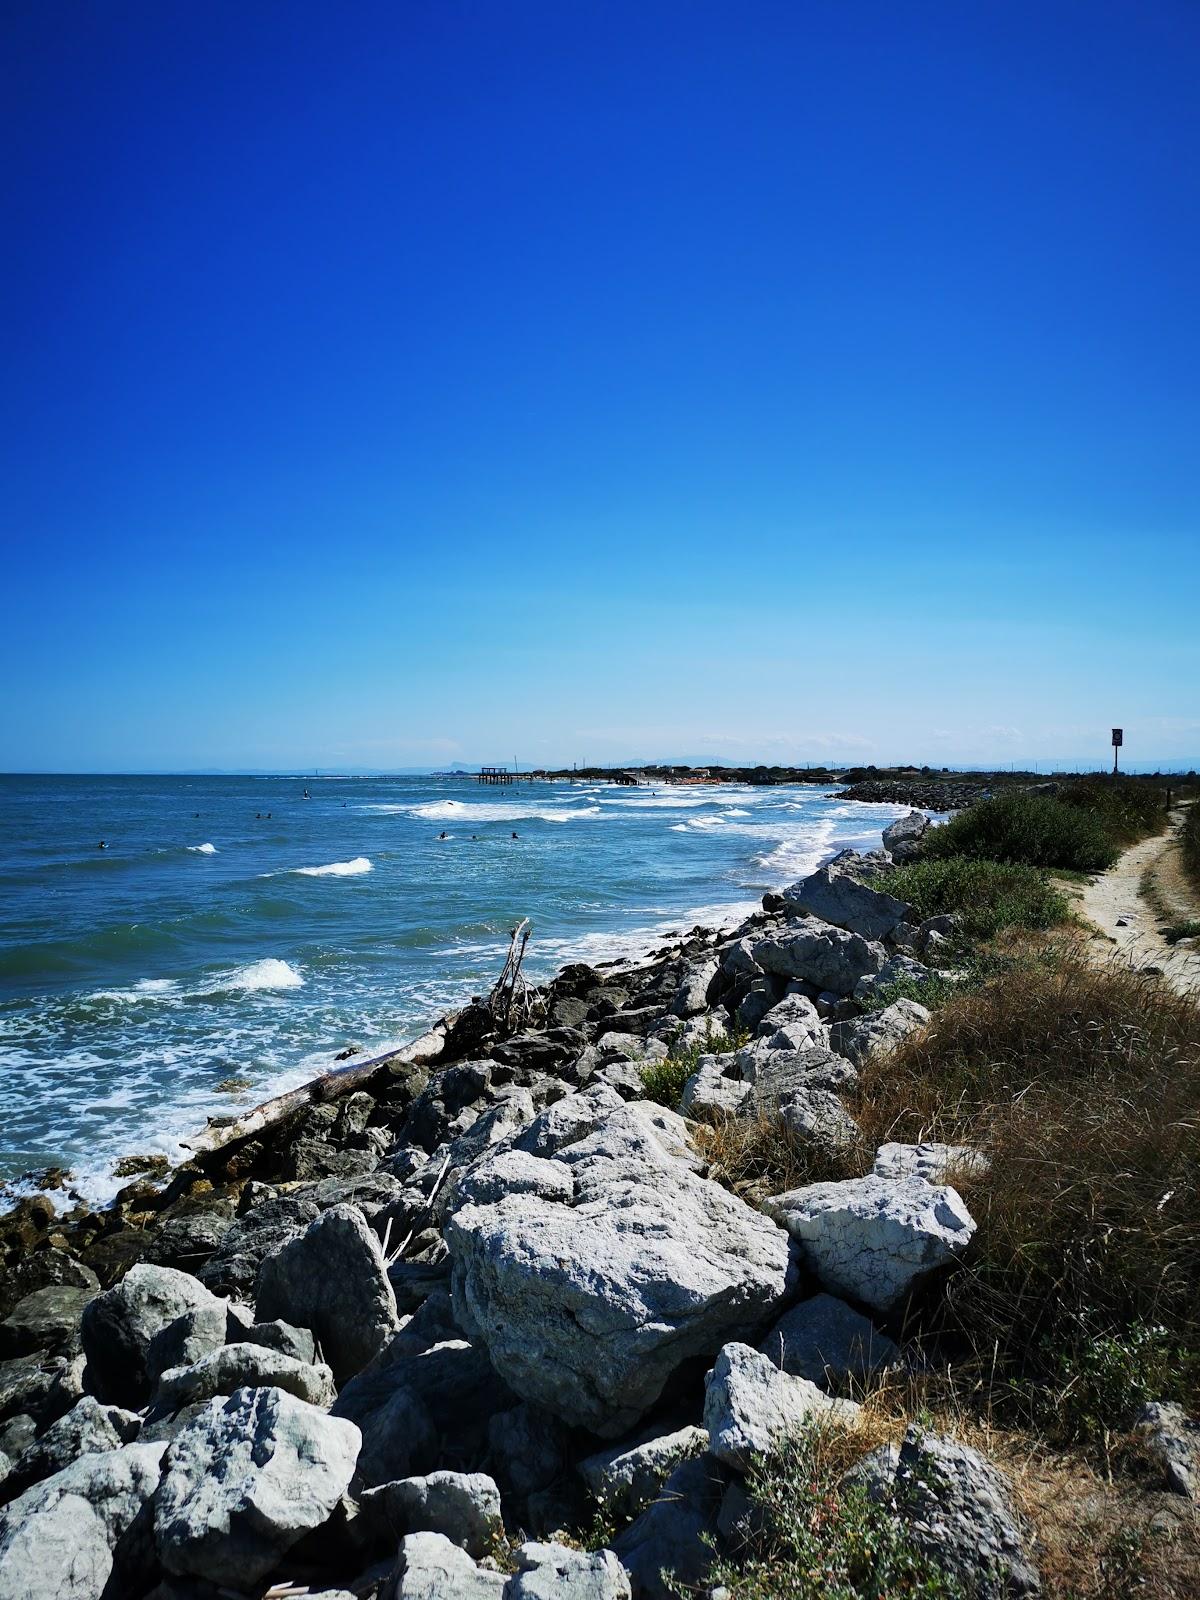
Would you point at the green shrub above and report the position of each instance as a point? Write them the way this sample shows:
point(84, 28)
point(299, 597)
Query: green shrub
point(1189, 842)
point(971, 969)
point(664, 1080)
point(811, 1538)
point(987, 895)
point(1025, 830)
point(1126, 808)
point(1101, 1380)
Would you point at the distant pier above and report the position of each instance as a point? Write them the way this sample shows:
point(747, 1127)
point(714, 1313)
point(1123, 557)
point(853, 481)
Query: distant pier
point(504, 775)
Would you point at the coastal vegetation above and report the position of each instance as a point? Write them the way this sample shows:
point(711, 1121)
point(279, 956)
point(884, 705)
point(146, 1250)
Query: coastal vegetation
point(988, 896)
point(664, 1080)
point(1082, 829)
point(817, 1536)
point(1189, 843)
point(1080, 1084)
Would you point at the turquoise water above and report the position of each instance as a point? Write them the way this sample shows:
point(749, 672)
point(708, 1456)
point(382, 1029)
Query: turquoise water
point(235, 929)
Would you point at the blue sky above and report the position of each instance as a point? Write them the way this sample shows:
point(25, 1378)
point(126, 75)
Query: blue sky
point(410, 382)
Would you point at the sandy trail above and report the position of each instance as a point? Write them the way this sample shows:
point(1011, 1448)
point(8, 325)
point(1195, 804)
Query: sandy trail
point(1116, 904)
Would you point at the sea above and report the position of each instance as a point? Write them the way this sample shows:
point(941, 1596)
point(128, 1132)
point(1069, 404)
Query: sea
point(237, 933)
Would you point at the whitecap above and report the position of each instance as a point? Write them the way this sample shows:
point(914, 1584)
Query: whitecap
point(143, 989)
point(202, 849)
point(337, 869)
point(269, 973)
point(513, 811)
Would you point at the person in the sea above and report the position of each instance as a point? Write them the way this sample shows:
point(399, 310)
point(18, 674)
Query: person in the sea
point(514, 834)
point(103, 845)
point(443, 834)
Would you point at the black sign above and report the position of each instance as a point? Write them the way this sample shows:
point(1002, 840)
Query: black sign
point(1118, 737)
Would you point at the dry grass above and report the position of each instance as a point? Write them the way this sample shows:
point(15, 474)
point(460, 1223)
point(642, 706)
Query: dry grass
point(1097, 1535)
point(1189, 843)
point(1082, 1086)
point(1080, 1295)
point(759, 1156)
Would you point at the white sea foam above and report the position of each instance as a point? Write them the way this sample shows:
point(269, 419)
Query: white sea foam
point(202, 849)
point(793, 858)
point(516, 811)
point(337, 869)
point(662, 802)
point(144, 989)
point(269, 973)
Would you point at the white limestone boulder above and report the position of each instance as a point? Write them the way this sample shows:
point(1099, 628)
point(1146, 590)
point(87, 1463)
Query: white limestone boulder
point(833, 959)
point(902, 839)
point(462, 1506)
point(714, 1087)
point(60, 1539)
point(929, 1160)
point(874, 1239)
point(120, 1325)
point(242, 1366)
point(246, 1478)
point(750, 1406)
point(833, 895)
point(612, 1264)
point(957, 1507)
point(861, 1038)
point(829, 1343)
point(691, 997)
point(628, 1477)
point(332, 1279)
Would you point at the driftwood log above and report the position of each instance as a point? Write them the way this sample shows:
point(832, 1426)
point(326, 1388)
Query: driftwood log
point(329, 1086)
point(511, 1001)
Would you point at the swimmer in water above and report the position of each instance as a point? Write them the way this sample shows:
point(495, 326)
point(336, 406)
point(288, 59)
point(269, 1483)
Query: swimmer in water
point(443, 834)
point(514, 835)
point(103, 845)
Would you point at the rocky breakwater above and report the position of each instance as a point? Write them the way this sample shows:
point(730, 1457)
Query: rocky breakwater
point(930, 794)
point(395, 1337)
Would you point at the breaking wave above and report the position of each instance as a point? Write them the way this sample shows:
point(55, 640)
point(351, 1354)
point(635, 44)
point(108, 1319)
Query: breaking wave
point(337, 869)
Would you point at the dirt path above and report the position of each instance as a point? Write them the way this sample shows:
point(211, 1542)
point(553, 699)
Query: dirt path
point(1116, 903)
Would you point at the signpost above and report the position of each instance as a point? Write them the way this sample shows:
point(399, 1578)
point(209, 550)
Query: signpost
point(1118, 741)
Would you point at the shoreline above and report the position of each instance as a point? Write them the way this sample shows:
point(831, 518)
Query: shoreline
point(97, 1187)
point(638, 952)
point(110, 1237)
